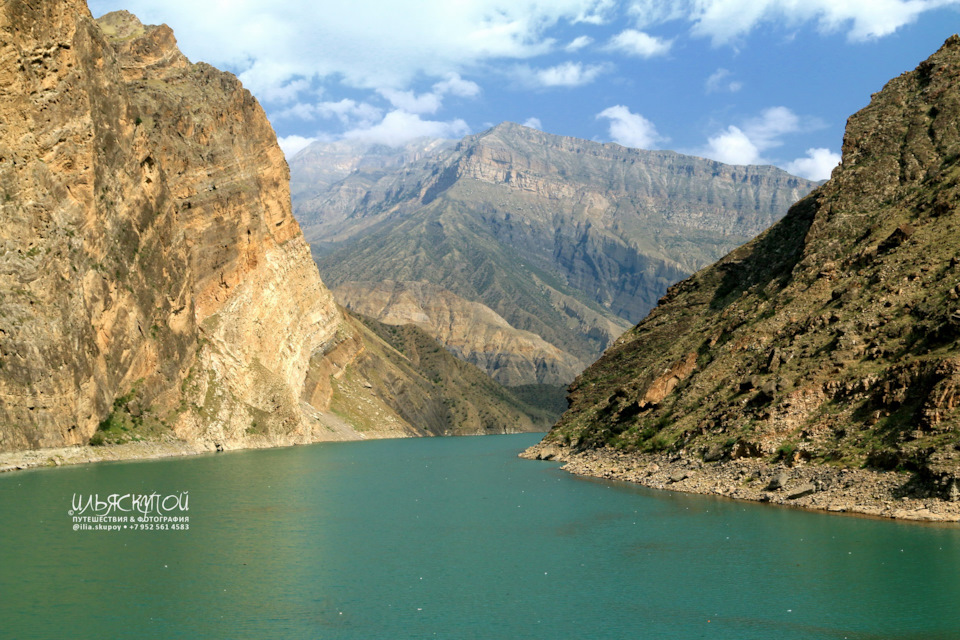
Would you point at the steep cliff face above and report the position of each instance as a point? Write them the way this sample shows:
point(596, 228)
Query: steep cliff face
point(155, 285)
point(567, 239)
point(831, 338)
point(148, 249)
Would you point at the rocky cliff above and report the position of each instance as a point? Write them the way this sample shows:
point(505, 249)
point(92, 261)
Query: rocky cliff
point(151, 264)
point(566, 239)
point(827, 344)
point(154, 282)
point(321, 165)
point(470, 330)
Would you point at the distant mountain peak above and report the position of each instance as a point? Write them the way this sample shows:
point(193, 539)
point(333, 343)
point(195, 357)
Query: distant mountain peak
point(564, 238)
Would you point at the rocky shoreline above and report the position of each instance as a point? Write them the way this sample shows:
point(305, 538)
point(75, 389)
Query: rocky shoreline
point(64, 456)
point(886, 494)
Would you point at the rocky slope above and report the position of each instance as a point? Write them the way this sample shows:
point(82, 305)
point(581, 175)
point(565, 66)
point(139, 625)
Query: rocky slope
point(321, 165)
point(566, 239)
point(153, 282)
point(830, 341)
point(469, 330)
point(427, 388)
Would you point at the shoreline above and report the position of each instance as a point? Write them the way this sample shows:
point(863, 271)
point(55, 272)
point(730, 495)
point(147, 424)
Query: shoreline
point(83, 454)
point(170, 447)
point(882, 494)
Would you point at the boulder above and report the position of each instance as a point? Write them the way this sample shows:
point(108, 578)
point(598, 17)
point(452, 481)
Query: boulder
point(803, 490)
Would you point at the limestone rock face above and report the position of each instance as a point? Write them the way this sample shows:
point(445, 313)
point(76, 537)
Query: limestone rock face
point(147, 250)
point(469, 330)
point(832, 337)
point(153, 282)
point(567, 239)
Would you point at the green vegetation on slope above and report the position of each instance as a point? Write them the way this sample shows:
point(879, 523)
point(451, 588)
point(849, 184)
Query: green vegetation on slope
point(834, 336)
point(433, 390)
point(569, 239)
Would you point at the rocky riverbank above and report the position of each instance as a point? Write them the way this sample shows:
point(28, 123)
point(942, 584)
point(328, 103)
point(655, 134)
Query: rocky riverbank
point(803, 485)
point(167, 445)
point(61, 456)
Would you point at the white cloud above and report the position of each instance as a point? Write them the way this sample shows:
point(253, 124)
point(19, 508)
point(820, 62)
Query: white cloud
point(638, 43)
point(597, 12)
point(630, 129)
point(348, 112)
point(411, 102)
point(773, 123)
point(746, 144)
point(457, 86)
point(732, 146)
point(579, 43)
point(567, 74)
point(286, 93)
point(651, 12)
point(399, 127)
point(270, 43)
point(817, 165)
point(725, 21)
point(293, 144)
point(431, 102)
point(719, 81)
point(533, 123)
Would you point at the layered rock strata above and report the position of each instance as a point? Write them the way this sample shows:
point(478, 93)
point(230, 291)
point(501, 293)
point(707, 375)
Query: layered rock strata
point(153, 282)
point(567, 239)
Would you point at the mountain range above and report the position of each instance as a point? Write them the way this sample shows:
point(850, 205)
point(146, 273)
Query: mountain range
point(523, 252)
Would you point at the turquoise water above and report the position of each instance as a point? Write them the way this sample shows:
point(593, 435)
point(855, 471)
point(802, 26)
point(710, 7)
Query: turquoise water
point(453, 538)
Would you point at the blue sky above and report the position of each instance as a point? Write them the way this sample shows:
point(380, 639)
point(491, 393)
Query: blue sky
point(740, 81)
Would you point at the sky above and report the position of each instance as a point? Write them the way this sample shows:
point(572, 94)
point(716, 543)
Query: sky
point(739, 81)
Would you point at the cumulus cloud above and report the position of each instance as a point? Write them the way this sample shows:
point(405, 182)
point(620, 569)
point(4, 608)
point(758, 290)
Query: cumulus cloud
point(638, 43)
point(724, 21)
point(269, 43)
point(286, 93)
point(399, 127)
point(746, 144)
point(412, 103)
point(773, 123)
point(291, 145)
point(533, 123)
point(817, 165)
point(736, 145)
point(597, 12)
point(719, 80)
point(431, 102)
point(732, 146)
point(630, 129)
point(457, 86)
point(567, 74)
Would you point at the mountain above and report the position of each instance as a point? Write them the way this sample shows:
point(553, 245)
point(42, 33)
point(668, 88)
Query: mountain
point(426, 390)
point(154, 284)
point(826, 345)
point(470, 330)
point(550, 245)
point(320, 165)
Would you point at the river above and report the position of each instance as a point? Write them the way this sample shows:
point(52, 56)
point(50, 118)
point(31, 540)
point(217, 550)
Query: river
point(450, 538)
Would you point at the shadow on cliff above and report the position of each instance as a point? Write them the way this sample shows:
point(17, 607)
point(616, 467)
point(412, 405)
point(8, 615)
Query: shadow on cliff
point(771, 257)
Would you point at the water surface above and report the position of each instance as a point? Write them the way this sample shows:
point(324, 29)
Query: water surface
point(453, 538)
